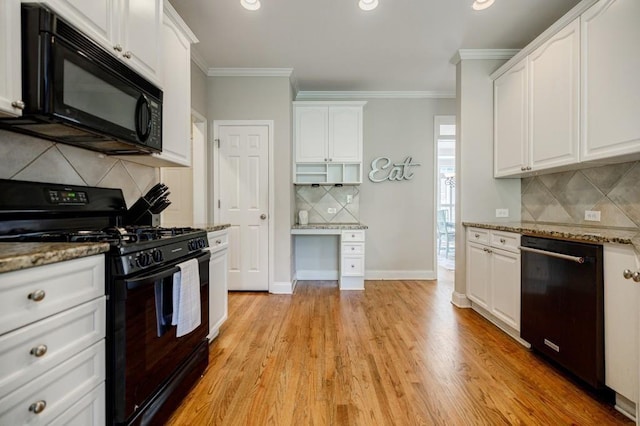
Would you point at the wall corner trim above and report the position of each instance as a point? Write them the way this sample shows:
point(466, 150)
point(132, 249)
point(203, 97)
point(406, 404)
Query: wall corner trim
point(199, 60)
point(460, 300)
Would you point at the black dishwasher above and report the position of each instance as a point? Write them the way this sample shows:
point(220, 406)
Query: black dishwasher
point(562, 305)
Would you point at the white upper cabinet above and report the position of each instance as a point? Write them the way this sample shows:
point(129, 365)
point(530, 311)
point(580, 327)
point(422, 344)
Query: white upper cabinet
point(537, 108)
point(130, 29)
point(328, 132)
point(611, 80)
point(10, 87)
point(345, 134)
point(554, 100)
point(311, 133)
point(510, 121)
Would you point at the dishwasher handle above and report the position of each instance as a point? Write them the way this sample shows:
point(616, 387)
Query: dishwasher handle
point(553, 254)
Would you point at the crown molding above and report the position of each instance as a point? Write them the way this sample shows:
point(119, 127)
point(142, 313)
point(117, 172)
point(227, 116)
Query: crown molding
point(465, 54)
point(173, 15)
point(329, 95)
point(199, 60)
point(249, 72)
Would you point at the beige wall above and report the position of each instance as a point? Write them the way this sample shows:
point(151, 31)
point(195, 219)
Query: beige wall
point(263, 98)
point(478, 193)
point(198, 90)
point(400, 215)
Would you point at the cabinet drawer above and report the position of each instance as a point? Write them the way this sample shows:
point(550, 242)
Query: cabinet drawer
point(353, 266)
point(505, 240)
point(478, 235)
point(354, 235)
point(63, 285)
point(59, 388)
point(352, 248)
point(61, 336)
point(90, 410)
point(218, 240)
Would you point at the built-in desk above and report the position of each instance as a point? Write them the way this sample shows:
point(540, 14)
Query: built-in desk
point(350, 253)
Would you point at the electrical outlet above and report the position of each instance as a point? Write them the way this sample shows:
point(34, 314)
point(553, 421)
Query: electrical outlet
point(349, 198)
point(502, 212)
point(592, 215)
point(331, 210)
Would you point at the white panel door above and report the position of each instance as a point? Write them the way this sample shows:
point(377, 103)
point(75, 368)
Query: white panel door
point(244, 203)
point(141, 36)
point(345, 134)
point(610, 79)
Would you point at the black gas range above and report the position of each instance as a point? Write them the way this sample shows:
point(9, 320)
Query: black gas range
point(150, 367)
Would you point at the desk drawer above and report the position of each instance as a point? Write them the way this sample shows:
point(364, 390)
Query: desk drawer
point(60, 337)
point(353, 235)
point(352, 248)
point(31, 294)
point(353, 266)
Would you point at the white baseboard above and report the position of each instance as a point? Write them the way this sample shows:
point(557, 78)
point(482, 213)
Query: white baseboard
point(515, 334)
point(321, 275)
point(460, 300)
point(400, 275)
point(284, 287)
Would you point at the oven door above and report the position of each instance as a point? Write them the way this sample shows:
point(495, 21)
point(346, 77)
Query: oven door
point(144, 356)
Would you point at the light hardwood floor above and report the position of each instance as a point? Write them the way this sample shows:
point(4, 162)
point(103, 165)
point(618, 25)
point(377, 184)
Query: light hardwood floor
point(396, 354)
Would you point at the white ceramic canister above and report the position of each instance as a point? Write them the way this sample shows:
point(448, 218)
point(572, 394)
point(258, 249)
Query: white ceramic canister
point(303, 217)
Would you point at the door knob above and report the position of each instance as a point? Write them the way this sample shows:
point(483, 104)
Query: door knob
point(263, 216)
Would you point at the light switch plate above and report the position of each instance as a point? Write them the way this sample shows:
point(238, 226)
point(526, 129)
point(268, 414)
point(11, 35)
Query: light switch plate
point(592, 215)
point(502, 212)
point(349, 198)
point(331, 210)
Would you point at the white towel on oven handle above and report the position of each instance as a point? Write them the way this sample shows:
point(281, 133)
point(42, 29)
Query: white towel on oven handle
point(186, 297)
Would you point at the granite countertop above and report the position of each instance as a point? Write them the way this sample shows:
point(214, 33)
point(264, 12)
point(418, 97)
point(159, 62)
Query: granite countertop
point(567, 232)
point(346, 226)
point(16, 256)
point(213, 227)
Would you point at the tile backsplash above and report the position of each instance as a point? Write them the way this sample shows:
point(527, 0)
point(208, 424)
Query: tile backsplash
point(24, 157)
point(319, 199)
point(614, 190)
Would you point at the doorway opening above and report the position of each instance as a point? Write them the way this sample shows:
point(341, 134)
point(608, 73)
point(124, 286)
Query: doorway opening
point(445, 147)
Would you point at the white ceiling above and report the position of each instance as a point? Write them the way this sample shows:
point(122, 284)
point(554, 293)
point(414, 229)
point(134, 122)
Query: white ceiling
point(403, 45)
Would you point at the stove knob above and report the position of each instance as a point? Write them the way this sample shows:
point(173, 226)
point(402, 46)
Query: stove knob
point(201, 243)
point(157, 256)
point(191, 245)
point(144, 259)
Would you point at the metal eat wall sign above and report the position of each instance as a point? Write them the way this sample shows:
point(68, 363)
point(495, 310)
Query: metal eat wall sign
point(382, 169)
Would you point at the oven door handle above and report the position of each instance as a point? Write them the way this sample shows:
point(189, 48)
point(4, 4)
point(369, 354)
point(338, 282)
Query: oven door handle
point(553, 254)
point(138, 282)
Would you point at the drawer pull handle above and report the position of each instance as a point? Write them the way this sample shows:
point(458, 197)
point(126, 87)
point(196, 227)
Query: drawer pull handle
point(353, 235)
point(38, 407)
point(502, 240)
point(37, 295)
point(39, 351)
point(218, 241)
point(353, 248)
point(353, 266)
point(477, 235)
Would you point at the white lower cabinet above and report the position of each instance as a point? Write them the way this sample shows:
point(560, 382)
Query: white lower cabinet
point(493, 274)
point(352, 260)
point(52, 347)
point(621, 325)
point(218, 285)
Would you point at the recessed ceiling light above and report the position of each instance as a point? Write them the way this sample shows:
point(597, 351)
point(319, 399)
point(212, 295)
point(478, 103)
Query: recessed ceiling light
point(482, 4)
point(250, 4)
point(368, 4)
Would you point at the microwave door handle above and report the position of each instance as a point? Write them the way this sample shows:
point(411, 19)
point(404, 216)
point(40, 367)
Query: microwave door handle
point(148, 279)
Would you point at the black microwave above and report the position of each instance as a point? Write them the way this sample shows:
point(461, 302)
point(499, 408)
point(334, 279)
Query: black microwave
point(75, 92)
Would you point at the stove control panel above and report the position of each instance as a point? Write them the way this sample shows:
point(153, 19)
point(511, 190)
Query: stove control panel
point(74, 198)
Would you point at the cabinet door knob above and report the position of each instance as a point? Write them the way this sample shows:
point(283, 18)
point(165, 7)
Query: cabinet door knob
point(117, 48)
point(218, 241)
point(127, 54)
point(502, 240)
point(38, 407)
point(353, 248)
point(39, 351)
point(17, 104)
point(477, 235)
point(627, 274)
point(636, 276)
point(37, 295)
point(326, 159)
